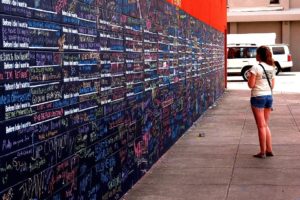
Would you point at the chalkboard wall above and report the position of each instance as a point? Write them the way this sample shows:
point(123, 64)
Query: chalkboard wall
point(93, 92)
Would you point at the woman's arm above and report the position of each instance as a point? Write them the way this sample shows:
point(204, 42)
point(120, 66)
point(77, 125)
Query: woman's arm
point(251, 80)
point(273, 83)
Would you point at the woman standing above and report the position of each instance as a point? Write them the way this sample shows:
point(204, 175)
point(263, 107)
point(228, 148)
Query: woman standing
point(261, 81)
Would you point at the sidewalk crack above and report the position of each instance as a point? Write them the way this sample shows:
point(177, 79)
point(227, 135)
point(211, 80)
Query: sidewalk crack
point(290, 110)
point(235, 158)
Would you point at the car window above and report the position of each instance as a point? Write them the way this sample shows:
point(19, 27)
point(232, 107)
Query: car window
point(241, 52)
point(252, 52)
point(278, 50)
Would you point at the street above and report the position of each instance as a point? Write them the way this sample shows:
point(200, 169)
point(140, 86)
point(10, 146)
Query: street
point(286, 82)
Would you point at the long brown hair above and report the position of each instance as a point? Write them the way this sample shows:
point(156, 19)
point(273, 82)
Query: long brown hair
point(265, 55)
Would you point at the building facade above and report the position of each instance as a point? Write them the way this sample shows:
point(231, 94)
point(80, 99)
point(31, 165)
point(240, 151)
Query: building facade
point(268, 16)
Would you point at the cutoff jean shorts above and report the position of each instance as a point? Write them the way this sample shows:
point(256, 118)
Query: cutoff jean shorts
point(262, 101)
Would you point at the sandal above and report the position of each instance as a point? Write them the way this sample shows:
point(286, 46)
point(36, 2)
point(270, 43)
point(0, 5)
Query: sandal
point(269, 154)
point(260, 155)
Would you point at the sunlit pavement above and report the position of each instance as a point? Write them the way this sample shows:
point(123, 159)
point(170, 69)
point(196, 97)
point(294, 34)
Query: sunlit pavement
point(285, 82)
point(220, 165)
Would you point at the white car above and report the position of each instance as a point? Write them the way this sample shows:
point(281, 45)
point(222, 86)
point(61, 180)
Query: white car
point(282, 57)
point(241, 57)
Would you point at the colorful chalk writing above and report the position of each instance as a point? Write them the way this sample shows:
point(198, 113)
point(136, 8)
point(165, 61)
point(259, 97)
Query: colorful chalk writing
point(94, 92)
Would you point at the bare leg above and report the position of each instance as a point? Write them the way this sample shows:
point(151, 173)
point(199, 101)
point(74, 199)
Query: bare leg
point(261, 126)
point(267, 112)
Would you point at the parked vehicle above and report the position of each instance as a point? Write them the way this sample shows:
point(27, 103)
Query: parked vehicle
point(241, 57)
point(282, 57)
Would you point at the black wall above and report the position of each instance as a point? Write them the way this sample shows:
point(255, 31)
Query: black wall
point(93, 92)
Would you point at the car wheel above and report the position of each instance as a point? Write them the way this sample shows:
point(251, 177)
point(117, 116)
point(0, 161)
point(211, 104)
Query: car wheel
point(277, 68)
point(246, 72)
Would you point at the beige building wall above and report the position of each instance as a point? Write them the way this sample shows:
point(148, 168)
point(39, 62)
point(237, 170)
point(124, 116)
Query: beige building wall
point(247, 3)
point(259, 16)
point(257, 27)
point(294, 4)
point(259, 3)
point(294, 45)
point(261, 27)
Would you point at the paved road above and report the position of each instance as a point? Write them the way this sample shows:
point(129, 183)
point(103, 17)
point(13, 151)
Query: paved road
point(220, 165)
point(285, 82)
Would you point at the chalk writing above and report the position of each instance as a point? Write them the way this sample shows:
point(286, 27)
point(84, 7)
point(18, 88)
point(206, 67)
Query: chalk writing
point(93, 92)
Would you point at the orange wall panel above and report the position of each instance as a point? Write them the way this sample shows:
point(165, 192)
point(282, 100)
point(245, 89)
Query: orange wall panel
point(212, 12)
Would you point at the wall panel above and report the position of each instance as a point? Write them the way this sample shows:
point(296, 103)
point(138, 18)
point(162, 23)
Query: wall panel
point(294, 47)
point(213, 12)
point(94, 92)
point(261, 27)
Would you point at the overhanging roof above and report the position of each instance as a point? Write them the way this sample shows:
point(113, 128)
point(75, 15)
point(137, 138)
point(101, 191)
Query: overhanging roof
point(262, 14)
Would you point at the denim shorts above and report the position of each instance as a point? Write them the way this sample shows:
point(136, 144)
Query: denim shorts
point(262, 101)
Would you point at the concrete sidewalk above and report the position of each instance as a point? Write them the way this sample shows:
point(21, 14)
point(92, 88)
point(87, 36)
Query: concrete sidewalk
point(220, 165)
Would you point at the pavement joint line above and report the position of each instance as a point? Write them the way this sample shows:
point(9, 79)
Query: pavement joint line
point(215, 184)
point(166, 168)
point(290, 110)
point(277, 168)
point(235, 157)
point(273, 185)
